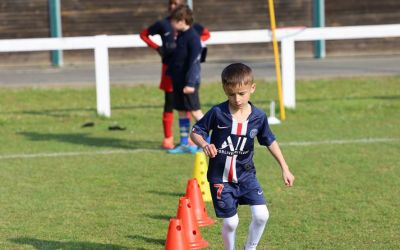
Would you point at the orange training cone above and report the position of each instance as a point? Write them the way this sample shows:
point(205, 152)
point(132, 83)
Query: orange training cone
point(176, 239)
point(193, 192)
point(191, 229)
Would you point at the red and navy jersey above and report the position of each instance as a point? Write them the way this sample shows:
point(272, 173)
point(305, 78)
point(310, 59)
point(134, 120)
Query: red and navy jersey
point(234, 142)
point(164, 28)
point(168, 35)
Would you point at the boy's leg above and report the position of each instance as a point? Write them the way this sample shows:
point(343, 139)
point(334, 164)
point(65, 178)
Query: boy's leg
point(184, 126)
point(185, 103)
point(168, 115)
point(229, 231)
point(224, 197)
point(252, 194)
point(260, 217)
point(197, 114)
point(168, 119)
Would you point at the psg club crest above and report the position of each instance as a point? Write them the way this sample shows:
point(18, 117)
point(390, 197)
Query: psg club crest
point(253, 133)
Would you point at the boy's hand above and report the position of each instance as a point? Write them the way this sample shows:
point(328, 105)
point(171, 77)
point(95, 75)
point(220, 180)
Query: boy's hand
point(188, 90)
point(288, 178)
point(210, 150)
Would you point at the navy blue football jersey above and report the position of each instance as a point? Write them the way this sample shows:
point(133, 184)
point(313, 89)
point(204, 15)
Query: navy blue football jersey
point(164, 28)
point(234, 142)
point(185, 61)
point(168, 36)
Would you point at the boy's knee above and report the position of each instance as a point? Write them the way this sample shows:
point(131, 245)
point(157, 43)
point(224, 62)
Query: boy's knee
point(260, 214)
point(230, 224)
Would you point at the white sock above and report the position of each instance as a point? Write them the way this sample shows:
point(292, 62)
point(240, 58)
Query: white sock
point(260, 216)
point(229, 231)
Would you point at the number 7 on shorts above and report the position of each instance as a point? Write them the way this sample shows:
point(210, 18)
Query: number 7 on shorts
point(220, 187)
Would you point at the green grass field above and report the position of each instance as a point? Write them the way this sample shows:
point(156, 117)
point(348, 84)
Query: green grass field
point(67, 187)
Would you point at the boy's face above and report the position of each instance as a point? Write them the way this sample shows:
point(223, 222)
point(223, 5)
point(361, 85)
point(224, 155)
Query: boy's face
point(239, 95)
point(172, 4)
point(179, 25)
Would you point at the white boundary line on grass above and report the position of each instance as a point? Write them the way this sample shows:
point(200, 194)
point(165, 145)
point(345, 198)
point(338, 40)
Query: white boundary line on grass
point(353, 141)
point(108, 152)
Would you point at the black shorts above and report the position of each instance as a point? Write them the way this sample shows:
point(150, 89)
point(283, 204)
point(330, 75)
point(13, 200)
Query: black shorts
point(186, 102)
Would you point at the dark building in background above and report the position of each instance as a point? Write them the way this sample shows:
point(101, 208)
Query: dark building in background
point(29, 19)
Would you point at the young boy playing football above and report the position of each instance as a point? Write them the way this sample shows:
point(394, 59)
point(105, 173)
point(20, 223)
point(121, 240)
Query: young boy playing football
point(235, 124)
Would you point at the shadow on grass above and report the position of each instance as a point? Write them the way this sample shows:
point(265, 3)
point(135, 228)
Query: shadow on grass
point(85, 139)
point(54, 245)
point(60, 112)
point(146, 239)
point(56, 112)
point(163, 193)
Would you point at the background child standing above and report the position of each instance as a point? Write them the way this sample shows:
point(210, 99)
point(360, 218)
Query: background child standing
point(168, 35)
point(184, 70)
point(231, 173)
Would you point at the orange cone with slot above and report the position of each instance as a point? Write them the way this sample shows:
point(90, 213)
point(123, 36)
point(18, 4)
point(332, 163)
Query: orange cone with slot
point(193, 192)
point(191, 228)
point(176, 239)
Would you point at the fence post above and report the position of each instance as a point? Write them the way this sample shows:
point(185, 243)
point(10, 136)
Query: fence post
point(55, 30)
point(319, 21)
point(102, 77)
point(288, 72)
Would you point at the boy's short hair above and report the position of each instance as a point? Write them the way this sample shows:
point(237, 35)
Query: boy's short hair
point(236, 74)
point(183, 12)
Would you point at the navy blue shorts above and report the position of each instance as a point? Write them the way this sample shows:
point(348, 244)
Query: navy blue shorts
point(227, 196)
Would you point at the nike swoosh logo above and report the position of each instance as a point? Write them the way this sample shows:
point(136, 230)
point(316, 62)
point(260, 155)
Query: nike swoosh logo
point(260, 192)
point(221, 127)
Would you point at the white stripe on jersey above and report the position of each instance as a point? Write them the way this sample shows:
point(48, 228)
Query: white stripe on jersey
point(227, 168)
point(244, 128)
point(234, 127)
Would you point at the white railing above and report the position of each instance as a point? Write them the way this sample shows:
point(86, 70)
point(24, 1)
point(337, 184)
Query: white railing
point(287, 37)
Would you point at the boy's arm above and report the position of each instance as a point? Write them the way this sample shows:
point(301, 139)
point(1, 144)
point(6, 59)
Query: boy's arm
point(202, 31)
point(205, 35)
point(201, 131)
point(209, 149)
point(287, 176)
point(152, 30)
point(193, 73)
point(144, 35)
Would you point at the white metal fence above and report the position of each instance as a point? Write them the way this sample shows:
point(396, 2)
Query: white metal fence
point(287, 37)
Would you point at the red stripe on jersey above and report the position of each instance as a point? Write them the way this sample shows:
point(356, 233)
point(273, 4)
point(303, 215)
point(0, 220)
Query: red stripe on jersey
point(239, 129)
point(230, 175)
